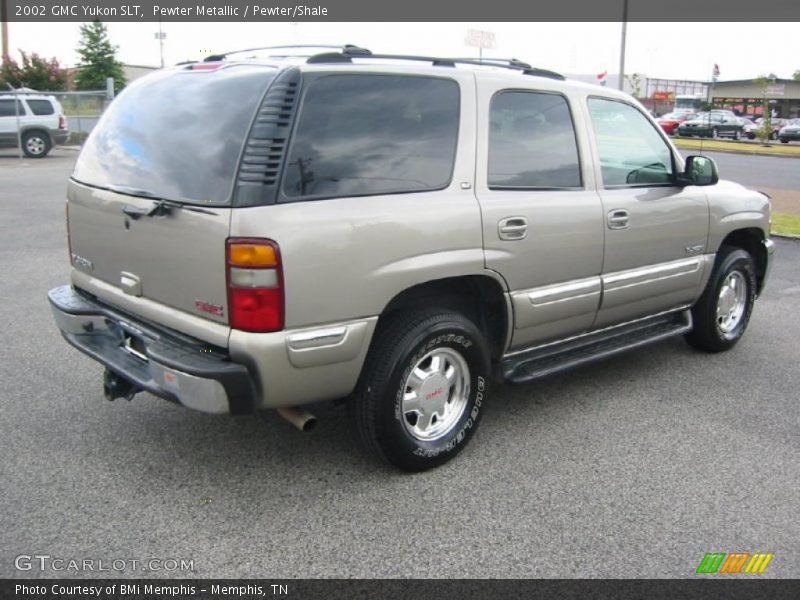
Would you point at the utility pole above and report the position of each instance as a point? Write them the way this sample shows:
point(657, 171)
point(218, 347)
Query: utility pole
point(4, 19)
point(621, 82)
point(160, 35)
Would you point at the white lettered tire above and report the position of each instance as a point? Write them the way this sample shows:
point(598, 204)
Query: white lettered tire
point(423, 388)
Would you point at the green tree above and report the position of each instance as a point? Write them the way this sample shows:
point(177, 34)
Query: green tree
point(34, 72)
point(98, 59)
point(765, 131)
point(796, 75)
point(635, 81)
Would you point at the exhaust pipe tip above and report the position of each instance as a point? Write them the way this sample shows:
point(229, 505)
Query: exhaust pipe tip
point(302, 420)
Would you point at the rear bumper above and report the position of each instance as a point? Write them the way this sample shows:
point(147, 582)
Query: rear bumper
point(164, 363)
point(59, 136)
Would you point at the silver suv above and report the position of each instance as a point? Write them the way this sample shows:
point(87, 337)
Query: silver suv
point(34, 121)
point(396, 231)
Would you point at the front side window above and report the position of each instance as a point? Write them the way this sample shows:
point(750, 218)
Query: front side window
point(41, 107)
point(532, 142)
point(630, 149)
point(361, 135)
point(7, 108)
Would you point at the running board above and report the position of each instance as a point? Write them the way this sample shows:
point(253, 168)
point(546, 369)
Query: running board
point(561, 356)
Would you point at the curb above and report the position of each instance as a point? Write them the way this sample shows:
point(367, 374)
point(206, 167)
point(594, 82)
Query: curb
point(745, 152)
point(785, 236)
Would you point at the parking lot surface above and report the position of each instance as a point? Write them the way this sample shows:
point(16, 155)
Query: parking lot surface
point(633, 467)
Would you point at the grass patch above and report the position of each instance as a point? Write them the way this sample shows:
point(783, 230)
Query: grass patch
point(774, 149)
point(83, 106)
point(76, 138)
point(785, 223)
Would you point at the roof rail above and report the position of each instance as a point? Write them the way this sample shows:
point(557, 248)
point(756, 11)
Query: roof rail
point(348, 53)
point(355, 50)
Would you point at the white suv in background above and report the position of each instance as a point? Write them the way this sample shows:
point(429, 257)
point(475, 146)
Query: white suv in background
point(37, 121)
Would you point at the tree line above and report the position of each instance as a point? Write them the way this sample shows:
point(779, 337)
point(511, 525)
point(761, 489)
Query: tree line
point(98, 61)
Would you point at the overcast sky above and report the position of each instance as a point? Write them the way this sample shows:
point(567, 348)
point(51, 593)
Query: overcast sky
point(666, 50)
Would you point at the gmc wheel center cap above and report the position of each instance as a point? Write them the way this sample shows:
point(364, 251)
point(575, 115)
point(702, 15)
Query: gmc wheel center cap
point(434, 391)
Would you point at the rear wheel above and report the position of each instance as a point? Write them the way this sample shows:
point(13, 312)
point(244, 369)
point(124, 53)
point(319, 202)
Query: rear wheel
point(35, 144)
point(423, 388)
point(773, 136)
point(722, 313)
point(784, 141)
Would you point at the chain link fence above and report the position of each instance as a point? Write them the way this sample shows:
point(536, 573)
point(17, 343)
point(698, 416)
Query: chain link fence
point(83, 110)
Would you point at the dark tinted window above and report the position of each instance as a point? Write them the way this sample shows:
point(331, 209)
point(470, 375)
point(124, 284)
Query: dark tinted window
point(176, 135)
point(631, 151)
point(7, 108)
point(532, 142)
point(41, 107)
point(373, 134)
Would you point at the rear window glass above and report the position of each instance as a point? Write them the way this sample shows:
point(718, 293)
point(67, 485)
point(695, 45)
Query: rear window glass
point(41, 107)
point(363, 135)
point(532, 142)
point(175, 135)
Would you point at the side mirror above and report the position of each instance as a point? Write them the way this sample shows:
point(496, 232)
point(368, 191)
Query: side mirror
point(699, 170)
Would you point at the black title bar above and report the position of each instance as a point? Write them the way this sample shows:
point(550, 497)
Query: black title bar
point(403, 10)
point(729, 588)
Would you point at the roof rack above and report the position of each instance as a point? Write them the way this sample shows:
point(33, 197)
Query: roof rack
point(348, 53)
point(353, 50)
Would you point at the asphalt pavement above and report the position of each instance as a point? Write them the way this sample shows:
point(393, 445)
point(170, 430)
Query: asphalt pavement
point(754, 171)
point(633, 467)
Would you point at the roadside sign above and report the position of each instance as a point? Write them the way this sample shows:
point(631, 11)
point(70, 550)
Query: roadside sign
point(478, 38)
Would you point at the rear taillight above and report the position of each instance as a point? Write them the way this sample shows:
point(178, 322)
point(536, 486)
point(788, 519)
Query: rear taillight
point(255, 285)
point(62, 122)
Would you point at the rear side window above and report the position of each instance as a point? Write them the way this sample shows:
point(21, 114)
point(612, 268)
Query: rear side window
point(532, 142)
point(41, 107)
point(7, 108)
point(363, 135)
point(175, 135)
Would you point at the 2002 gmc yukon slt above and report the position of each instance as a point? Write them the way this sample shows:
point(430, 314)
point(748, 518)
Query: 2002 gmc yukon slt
point(265, 233)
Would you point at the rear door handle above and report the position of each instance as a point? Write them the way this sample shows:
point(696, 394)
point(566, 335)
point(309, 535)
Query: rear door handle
point(618, 219)
point(513, 228)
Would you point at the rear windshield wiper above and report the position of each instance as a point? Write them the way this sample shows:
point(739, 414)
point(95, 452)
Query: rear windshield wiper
point(162, 206)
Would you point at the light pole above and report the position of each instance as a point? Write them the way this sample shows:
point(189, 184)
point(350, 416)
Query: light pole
point(160, 36)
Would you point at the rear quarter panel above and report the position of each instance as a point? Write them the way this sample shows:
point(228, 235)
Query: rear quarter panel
point(346, 258)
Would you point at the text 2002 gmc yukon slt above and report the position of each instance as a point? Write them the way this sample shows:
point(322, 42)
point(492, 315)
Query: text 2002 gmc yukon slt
point(263, 233)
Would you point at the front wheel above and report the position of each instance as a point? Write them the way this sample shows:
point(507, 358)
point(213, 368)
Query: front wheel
point(423, 389)
point(773, 136)
point(722, 313)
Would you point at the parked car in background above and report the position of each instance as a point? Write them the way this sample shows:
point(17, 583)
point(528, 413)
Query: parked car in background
point(37, 121)
point(751, 128)
point(790, 132)
point(714, 125)
point(669, 122)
